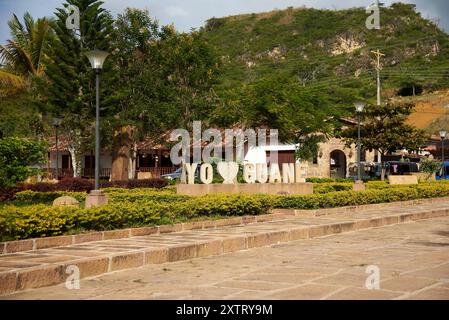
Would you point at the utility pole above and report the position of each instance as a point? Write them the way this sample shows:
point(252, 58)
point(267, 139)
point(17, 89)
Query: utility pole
point(378, 54)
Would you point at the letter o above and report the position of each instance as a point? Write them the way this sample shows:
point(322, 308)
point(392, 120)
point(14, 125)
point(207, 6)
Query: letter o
point(206, 173)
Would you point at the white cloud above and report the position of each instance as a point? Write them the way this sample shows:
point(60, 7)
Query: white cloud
point(175, 11)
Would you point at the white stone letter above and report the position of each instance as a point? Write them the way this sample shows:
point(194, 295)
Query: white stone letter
point(206, 173)
point(262, 172)
point(288, 173)
point(275, 174)
point(190, 172)
point(249, 173)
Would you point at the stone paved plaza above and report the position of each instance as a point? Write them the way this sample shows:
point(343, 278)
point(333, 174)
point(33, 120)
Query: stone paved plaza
point(413, 258)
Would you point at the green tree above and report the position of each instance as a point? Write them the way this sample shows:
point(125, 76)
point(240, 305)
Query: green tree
point(430, 166)
point(24, 55)
point(70, 90)
point(163, 81)
point(279, 103)
point(384, 128)
point(16, 158)
point(126, 113)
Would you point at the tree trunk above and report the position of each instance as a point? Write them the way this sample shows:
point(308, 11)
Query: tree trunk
point(76, 150)
point(133, 163)
point(121, 149)
point(77, 155)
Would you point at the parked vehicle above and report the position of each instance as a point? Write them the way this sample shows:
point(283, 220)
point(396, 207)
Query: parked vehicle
point(400, 168)
point(368, 170)
point(372, 170)
point(177, 174)
point(443, 174)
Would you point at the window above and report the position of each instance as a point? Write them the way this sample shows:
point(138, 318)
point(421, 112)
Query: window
point(89, 161)
point(66, 161)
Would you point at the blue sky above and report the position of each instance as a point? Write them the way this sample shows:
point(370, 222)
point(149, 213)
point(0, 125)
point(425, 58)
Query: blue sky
point(187, 14)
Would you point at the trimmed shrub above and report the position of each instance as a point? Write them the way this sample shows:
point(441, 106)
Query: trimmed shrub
point(34, 221)
point(46, 197)
point(331, 187)
point(74, 185)
point(41, 221)
point(132, 184)
point(328, 180)
point(351, 198)
point(142, 195)
point(66, 184)
point(140, 207)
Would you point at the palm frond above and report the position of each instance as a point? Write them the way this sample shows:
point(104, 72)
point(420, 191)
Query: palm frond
point(10, 80)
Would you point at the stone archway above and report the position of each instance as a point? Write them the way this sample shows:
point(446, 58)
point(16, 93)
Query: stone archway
point(337, 164)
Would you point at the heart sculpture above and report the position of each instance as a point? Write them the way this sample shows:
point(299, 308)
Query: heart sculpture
point(228, 170)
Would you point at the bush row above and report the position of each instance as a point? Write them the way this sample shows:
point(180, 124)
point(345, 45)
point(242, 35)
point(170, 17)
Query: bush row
point(114, 194)
point(320, 188)
point(78, 185)
point(21, 222)
point(351, 198)
point(329, 180)
point(29, 196)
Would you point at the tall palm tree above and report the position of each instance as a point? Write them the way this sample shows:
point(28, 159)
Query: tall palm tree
point(23, 56)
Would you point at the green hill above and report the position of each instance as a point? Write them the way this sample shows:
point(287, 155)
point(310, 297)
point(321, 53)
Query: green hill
point(329, 52)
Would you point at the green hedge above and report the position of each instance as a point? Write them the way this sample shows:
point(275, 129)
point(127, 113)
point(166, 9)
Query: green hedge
point(46, 197)
point(329, 180)
point(144, 195)
point(21, 222)
point(326, 187)
point(135, 209)
point(114, 194)
point(320, 188)
point(370, 196)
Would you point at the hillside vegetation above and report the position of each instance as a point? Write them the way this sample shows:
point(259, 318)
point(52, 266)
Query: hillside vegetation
point(328, 52)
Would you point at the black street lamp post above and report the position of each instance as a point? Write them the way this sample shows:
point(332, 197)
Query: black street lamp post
point(97, 58)
point(359, 107)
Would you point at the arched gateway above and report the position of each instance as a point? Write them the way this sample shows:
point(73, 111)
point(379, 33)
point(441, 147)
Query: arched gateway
point(337, 164)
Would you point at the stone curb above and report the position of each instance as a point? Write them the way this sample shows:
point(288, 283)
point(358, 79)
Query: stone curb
point(349, 209)
point(52, 274)
point(58, 241)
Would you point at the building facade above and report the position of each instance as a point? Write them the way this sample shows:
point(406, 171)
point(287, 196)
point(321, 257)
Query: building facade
point(334, 160)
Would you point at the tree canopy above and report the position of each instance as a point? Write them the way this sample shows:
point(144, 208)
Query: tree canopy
point(384, 129)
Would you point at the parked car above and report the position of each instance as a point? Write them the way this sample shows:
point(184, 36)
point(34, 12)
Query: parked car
point(177, 174)
point(443, 174)
point(368, 170)
point(399, 168)
point(374, 170)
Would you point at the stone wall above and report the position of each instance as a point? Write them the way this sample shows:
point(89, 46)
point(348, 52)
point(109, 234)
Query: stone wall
point(322, 169)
